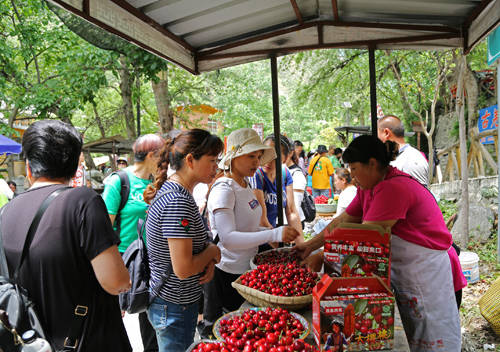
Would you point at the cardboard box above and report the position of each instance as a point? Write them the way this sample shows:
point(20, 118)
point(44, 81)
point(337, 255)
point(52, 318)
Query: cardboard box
point(347, 318)
point(357, 250)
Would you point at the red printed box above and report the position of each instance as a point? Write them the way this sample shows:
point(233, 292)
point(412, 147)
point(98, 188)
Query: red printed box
point(357, 250)
point(353, 314)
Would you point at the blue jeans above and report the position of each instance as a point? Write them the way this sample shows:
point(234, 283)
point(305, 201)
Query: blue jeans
point(316, 192)
point(174, 324)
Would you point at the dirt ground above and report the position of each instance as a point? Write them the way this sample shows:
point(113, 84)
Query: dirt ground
point(476, 331)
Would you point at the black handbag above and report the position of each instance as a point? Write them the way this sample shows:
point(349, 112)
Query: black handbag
point(308, 207)
point(14, 300)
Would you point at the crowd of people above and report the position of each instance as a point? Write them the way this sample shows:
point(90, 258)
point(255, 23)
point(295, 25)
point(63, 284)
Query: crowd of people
point(197, 248)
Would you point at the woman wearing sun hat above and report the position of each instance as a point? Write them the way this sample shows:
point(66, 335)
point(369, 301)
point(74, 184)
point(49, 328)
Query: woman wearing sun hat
point(234, 216)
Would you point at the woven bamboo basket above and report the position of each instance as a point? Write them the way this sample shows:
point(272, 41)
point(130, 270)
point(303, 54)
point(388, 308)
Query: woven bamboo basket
point(262, 299)
point(196, 343)
point(489, 306)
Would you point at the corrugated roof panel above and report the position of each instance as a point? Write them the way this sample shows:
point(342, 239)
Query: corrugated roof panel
point(400, 11)
point(244, 24)
point(141, 3)
point(232, 14)
point(165, 12)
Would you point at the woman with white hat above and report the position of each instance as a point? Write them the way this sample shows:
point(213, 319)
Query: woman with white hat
point(234, 216)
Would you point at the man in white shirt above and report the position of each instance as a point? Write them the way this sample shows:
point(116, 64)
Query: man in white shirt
point(409, 159)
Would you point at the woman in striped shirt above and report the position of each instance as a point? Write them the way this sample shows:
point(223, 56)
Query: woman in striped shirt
point(180, 256)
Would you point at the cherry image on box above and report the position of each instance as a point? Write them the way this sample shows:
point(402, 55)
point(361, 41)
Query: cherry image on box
point(353, 314)
point(356, 250)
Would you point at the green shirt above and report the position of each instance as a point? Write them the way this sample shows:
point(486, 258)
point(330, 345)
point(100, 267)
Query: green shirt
point(134, 209)
point(335, 162)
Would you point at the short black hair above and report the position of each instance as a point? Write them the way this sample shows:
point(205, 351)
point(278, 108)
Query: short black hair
point(365, 147)
point(52, 149)
point(298, 143)
point(12, 183)
point(337, 151)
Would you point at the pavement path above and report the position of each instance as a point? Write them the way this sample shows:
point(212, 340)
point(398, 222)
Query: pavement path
point(131, 322)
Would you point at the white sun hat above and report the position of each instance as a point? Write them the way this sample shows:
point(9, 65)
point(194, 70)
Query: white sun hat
point(245, 141)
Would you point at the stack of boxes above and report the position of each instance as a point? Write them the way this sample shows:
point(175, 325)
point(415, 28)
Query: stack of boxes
point(353, 307)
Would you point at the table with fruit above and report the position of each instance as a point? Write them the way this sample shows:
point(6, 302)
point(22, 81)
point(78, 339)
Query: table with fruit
point(278, 329)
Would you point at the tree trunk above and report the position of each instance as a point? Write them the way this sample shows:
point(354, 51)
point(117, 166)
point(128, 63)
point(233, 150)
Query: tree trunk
point(472, 91)
point(162, 100)
point(126, 81)
point(98, 120)
point(10, 160)
point(460, 106)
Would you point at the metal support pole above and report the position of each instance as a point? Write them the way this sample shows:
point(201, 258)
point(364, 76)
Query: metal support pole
point(138, 106)
point(277, 141)
point(373, 90)
point(497, 87)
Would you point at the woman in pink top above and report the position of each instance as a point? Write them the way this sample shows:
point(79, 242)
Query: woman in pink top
point(421, 274)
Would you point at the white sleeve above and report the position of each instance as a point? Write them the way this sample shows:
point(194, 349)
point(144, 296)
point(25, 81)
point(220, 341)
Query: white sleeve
point(232, 239)
point(221, 196)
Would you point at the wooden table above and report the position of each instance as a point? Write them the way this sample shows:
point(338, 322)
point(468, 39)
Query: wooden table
point(400, 341)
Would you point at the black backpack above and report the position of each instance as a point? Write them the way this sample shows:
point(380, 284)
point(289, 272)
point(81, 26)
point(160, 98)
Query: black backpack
point(308, 207)
point(307, 203)
point(138, 298)
point(124, 193)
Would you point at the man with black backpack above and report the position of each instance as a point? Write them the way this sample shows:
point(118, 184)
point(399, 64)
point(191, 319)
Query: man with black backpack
point(60, 266)
point(123, 195)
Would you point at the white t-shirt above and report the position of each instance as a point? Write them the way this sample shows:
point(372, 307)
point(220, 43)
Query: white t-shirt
point(345, 198)
point(299, 182)
point(200, 194)
point(411, 161)
point(234, 214)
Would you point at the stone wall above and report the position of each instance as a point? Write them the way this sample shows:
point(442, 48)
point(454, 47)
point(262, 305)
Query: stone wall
point(483, 205)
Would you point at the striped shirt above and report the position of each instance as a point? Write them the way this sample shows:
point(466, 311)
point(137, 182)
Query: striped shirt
point(174, 215)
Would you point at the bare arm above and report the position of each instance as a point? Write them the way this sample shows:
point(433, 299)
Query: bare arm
point(110, 271)
point(259, 194)
point(317, 241)
point(185, 263)
point(292, 214)
point(112, 218)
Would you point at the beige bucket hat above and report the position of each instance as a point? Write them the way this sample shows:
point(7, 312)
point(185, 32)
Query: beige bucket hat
point(245, 141)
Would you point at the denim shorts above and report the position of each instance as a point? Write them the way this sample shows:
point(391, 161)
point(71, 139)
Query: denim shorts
point(174, 324)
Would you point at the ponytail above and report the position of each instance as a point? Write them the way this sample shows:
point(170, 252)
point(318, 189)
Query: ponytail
point(196, 141)
point(161, 173)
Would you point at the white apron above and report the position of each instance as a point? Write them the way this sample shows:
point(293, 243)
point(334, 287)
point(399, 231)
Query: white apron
point(423, 285)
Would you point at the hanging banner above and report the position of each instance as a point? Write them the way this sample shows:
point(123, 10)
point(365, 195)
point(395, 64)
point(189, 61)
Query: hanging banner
point(488, 120)
point(494, 46)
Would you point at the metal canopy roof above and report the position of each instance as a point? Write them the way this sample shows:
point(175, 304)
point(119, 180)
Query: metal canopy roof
point(204, 35)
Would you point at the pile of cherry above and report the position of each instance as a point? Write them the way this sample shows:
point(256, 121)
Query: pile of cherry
point(285, 280)
point(269, 330)
point(277, 257)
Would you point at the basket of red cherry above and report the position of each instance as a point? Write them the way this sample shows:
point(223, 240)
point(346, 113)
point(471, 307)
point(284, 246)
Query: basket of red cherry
point(284, 285)
point(256, 323)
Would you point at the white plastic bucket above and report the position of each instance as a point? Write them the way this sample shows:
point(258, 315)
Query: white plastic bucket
point(470, 266)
